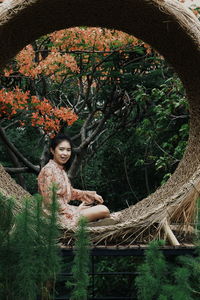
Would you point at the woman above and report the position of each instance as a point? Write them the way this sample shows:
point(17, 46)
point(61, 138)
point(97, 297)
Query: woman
point(55, 172)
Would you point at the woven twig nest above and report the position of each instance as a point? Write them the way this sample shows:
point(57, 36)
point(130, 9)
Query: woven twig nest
point(174, 32)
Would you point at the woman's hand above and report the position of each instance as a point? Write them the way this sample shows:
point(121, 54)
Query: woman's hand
point(98, 199)
point(93, 197)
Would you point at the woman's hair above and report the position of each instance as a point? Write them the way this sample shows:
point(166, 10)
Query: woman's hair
point(54, 142)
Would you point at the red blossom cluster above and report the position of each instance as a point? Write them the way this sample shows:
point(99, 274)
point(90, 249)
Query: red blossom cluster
point(20, 104)
point(12, 102)
point(54, 65)
point(58, 62)
point(91, 38)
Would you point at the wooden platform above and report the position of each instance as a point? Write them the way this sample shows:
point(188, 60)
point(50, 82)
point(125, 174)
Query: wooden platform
point(133, 250)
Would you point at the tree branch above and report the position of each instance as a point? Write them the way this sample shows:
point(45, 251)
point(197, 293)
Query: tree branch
point(84, 127)
point(45, 152)
point(86, 142)
point(81, 150)
point(17, 170)
point(18, 154)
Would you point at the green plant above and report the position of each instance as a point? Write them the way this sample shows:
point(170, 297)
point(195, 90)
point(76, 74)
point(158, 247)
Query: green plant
point(158, 279)
point(7, 260)
point(48, 262)
point(80, 268)
point(24, 238)
point(152, 274)
point(53, 258)
point(29, 254)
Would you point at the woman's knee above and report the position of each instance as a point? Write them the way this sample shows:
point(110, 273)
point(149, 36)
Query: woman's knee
point(96, 212)
point(105, 211)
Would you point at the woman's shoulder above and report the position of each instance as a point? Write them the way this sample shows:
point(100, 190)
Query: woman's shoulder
point(48, 168)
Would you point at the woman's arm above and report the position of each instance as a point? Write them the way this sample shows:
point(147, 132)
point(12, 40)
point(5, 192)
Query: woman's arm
point(88, 197)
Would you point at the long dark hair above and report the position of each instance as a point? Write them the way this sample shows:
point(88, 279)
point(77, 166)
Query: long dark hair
point(54, 142)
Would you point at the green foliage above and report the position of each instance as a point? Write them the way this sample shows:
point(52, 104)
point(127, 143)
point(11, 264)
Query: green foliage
point(153, 273)
point(144, 155)
point(47, 253)
point(29, 256)
point(6, 215)
point(158, 279)
point(25, 286)
point(191, 266)
point(80, 268)
point(53, 261)
point(181, 289)
point(7, 259)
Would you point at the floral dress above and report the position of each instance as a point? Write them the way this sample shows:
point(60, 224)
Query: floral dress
point(55, 173)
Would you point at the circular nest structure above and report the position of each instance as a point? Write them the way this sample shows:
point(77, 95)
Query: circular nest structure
point(174, 32)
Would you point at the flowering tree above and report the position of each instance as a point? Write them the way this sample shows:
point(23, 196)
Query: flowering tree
point(70, 73)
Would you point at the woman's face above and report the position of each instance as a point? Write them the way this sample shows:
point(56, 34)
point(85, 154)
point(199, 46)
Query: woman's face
point(62, 152)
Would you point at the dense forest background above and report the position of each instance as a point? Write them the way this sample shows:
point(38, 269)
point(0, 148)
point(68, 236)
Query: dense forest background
point(119, 100)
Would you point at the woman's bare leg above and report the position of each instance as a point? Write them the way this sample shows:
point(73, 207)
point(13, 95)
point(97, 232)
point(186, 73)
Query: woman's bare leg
point(95, 212)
